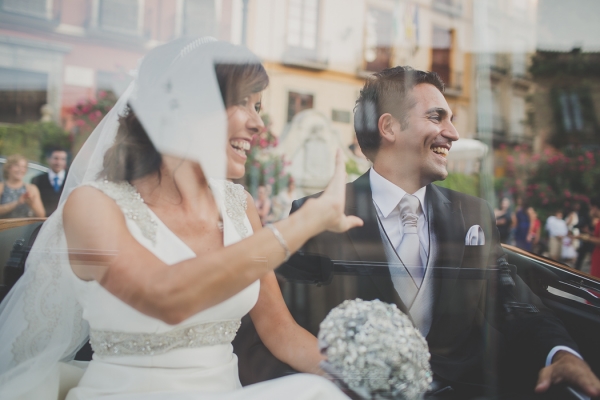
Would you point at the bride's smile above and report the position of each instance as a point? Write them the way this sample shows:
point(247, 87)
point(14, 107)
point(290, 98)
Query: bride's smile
point(243, 121)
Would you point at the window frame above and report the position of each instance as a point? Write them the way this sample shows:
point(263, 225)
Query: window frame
point(384, 8)
point(304, 57)
point(45, 15)
point(96, 20)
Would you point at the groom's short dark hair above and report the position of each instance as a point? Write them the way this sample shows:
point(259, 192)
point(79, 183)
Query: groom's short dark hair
point(387, 92)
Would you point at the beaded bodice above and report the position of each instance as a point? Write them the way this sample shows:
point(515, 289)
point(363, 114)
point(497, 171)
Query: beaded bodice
point(116, 329)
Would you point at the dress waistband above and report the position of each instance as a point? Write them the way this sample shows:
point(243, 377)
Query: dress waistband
point(111, 343)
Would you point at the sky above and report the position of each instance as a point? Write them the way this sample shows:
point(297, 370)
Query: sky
point(565, 24)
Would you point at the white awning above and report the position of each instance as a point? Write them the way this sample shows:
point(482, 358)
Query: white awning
point(467, 149)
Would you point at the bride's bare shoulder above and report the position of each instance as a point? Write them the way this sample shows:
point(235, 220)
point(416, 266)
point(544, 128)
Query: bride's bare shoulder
point(87, 204)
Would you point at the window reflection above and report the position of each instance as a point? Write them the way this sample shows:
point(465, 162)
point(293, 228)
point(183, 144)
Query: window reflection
point(521, 79)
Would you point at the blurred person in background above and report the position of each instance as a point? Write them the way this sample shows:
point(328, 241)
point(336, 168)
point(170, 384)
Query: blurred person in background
point(521, 224)
point(557, 230)
point(535, 230)
point(18, 199)
point(51, 183)
point(504, 219)
point(570, 244)
point(585, 226)
point(263, 204)
point(282, 204)
point(594, 239)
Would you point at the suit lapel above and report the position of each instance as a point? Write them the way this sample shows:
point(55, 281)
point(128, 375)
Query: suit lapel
point(446, 227)
point(367, 240)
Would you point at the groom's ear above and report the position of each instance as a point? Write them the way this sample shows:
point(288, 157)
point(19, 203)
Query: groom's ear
point(387, 125)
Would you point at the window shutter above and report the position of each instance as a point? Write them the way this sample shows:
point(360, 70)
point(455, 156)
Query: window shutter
point(119, 16)
point(34, 8)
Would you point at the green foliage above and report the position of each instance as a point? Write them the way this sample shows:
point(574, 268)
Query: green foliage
point(463, 183)
point(87, 114)
point(352, 168)
point(557, 64)
point(32, 139)
point(264, 166)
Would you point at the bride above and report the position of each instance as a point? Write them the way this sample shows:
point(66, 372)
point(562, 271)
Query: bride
point(155, 257)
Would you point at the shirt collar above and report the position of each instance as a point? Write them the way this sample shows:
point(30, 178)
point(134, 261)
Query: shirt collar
point(387, 195)
point(52, 174)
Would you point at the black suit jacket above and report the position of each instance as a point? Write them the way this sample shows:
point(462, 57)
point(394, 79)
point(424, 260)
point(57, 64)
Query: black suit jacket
point(50, 198)
point(482, 312)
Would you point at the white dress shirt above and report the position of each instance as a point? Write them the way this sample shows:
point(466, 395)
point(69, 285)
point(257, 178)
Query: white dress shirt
point(386, 197)
point(60, 175)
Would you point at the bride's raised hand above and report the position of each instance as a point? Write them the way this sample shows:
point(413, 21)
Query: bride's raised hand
point(333, 201)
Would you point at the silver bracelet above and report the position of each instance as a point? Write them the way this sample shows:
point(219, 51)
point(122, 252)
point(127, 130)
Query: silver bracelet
point(281, 240)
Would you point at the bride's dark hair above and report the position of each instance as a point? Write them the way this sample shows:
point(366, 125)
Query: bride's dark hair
point(133, 155)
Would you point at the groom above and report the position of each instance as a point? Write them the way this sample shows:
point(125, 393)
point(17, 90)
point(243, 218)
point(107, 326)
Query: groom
point(434, 252)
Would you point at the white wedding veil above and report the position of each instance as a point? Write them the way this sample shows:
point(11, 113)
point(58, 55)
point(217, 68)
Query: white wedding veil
point(177, 99)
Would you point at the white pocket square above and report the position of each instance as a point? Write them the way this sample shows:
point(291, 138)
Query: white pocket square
point(475, 236)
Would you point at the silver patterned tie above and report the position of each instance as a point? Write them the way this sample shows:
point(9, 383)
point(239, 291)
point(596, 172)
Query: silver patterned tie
point(409, 249)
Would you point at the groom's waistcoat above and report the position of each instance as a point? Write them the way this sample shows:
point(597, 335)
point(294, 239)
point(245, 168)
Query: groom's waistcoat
point(417, 299)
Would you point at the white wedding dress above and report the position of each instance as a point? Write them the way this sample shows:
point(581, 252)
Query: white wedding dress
point(140, 357)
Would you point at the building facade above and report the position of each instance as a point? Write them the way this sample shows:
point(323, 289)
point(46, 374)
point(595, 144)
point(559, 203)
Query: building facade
point(61, 52)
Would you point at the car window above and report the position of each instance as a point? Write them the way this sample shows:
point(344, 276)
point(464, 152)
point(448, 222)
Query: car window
point(470, 133)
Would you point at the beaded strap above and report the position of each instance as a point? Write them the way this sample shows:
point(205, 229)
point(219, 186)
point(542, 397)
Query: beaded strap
point(131, 203)
point(235, 207)
point(110, 343)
